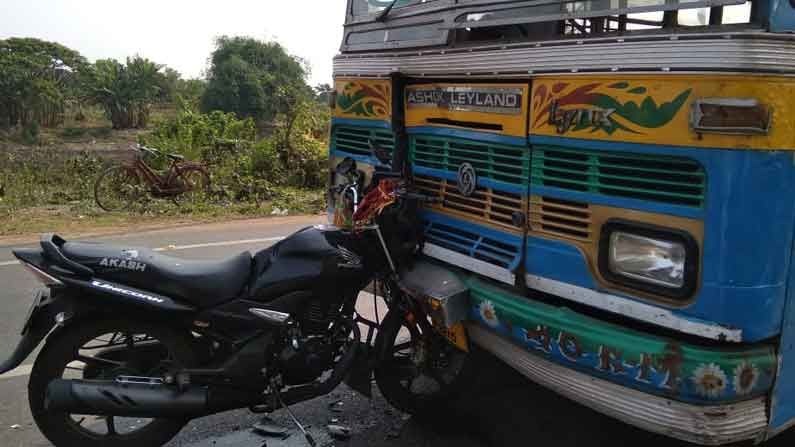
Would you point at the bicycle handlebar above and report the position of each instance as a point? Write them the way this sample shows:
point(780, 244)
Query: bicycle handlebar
point(150, 150)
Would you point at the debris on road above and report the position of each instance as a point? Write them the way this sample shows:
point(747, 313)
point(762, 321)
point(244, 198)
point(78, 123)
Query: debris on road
point(339, 431)
point(336, 406)
point(15, 427)
point(396, 428)
point(268, 427)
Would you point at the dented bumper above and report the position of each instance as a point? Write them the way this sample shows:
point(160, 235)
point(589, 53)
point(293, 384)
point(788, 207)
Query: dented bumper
point(715, 424)
point(706, 392)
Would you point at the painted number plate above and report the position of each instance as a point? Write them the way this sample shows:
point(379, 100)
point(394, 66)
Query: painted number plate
point(457, 335)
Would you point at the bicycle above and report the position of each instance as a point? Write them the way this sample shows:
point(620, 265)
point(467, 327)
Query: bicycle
point(120, 186)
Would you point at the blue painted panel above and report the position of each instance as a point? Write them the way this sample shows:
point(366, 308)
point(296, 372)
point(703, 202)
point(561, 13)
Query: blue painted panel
point(748, 220)
point(782, 403)
point(468, 134)
point(366, 159)
point(781, 15)
point(360, 123)
point(492, 246)
point(558, 260)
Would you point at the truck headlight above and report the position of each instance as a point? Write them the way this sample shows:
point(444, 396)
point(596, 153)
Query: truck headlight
point(656, 260)
point(645, 259)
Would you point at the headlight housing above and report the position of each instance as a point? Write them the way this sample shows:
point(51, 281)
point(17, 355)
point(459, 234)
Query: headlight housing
point(652, 259)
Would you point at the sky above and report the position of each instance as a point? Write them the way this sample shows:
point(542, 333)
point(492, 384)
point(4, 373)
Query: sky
point(180, 33)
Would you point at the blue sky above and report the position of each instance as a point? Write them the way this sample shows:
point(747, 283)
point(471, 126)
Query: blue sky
point(179, 33)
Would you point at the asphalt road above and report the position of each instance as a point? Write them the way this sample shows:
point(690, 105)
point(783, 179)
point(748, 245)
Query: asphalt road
point(497, 406)
point(17, 286)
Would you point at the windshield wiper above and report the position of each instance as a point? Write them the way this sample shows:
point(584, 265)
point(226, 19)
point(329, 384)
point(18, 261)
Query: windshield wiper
point(383, 14)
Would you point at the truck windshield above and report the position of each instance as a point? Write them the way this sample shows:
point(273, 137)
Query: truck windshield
point(370, 7)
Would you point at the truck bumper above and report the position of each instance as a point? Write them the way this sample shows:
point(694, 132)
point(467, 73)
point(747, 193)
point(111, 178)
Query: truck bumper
point(701, 424)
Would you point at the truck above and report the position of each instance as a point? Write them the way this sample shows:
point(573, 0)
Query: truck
point(614, 184)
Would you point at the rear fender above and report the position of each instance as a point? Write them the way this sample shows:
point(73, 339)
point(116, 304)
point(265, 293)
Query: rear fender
point(39, 324)
point(33, 256)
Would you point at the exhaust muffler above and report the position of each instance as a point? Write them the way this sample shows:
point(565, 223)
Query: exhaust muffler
point(104, 398)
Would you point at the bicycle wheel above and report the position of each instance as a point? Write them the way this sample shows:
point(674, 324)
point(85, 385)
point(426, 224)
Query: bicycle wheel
point(117, 188)
point(196, 184)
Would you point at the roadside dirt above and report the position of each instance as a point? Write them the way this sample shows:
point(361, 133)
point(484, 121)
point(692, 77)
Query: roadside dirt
point(88, 228)
point(115, 146)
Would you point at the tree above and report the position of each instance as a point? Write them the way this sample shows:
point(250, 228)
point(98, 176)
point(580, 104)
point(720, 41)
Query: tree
point(191, 91)
point(126, 92)
point(169, 83)
point(249, 77)
point(36, 78)
point(323, 93)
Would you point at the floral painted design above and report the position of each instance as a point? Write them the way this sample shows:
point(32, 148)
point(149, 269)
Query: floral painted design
point(489, 314)
point(364, 99)
point(710, 380)
point(605, 110)
point(746, 377)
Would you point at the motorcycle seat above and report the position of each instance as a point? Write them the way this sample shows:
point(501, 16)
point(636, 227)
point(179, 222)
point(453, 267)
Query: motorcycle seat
point(201, 283)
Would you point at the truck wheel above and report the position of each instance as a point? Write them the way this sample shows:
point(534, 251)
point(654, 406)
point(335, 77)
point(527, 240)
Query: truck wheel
point(418, 371)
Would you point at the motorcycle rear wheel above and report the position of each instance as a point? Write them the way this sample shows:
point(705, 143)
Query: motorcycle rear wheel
point(418, 371)
point(66, 350)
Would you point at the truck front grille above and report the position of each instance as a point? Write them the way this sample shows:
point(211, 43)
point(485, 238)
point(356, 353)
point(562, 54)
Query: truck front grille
point(656, 178)
point(485, 205)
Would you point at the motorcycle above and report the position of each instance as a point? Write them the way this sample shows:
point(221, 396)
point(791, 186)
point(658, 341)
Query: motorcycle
point(139, 343)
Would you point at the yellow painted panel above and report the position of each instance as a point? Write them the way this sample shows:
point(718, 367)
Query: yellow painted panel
point(656, 109)
point(363, 99)
point(504, 106)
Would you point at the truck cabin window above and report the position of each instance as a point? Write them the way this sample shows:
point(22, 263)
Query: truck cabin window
point(364, 8)
point(594, 17)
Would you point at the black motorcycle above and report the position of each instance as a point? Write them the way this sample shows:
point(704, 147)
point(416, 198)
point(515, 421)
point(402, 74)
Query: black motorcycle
point(138, 343)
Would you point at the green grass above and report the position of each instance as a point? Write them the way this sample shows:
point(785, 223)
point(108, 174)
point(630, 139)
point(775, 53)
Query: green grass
point(83, 216)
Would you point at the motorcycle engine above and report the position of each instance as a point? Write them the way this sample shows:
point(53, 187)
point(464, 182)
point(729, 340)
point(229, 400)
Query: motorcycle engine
point(306, 359)
point(310, 350)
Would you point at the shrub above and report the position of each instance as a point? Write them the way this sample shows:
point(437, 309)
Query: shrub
point(31, 133)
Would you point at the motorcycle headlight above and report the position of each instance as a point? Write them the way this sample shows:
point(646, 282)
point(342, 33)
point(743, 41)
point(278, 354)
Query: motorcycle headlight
point(651, 259)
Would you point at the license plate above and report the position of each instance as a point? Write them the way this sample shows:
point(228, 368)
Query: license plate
point(456, 335)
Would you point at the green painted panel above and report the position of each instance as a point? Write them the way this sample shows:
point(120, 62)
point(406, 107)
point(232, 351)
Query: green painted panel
point(498, 162)
point(657, 178)
point(356, 140)
point(649, 362)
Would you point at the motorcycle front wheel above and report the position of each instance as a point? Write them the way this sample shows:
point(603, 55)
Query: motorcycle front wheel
point(418, 371)
point(104, 350)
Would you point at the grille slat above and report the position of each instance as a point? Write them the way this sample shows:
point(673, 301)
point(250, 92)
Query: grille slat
point(502, 163)
point(473, 245)
point(484, 205)
point(604, 186)
point(658, 178)
point(356, 140)
point(562, 218)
